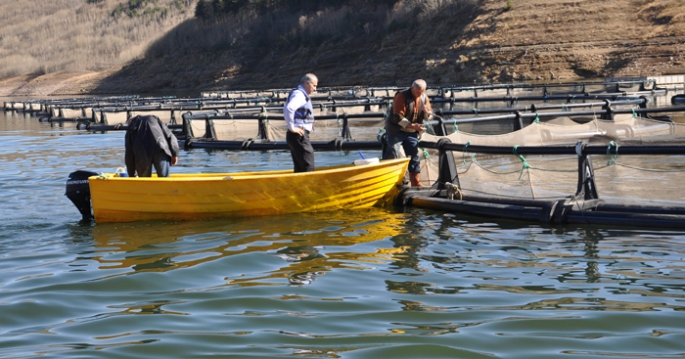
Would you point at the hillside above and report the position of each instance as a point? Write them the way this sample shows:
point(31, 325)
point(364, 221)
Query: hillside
point(445, 42)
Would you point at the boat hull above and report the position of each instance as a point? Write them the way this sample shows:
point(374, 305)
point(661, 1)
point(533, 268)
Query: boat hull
point(203, 196)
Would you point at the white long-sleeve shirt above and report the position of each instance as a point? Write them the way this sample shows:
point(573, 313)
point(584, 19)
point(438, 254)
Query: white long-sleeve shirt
point(298, 101)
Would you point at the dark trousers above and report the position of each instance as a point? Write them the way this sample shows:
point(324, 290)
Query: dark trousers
point(301, 150)
point(161, 163)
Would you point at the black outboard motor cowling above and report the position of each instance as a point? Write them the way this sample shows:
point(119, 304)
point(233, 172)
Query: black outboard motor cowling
point(78, 191)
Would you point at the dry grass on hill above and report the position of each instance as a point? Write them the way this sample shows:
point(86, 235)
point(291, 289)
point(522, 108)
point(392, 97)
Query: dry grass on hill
point(41, 36)
point(444, 41)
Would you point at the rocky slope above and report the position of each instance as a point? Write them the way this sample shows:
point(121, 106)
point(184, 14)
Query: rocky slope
point(535, 40)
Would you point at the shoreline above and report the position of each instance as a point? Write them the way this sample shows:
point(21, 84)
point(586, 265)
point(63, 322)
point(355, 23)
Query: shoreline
point(96, 84)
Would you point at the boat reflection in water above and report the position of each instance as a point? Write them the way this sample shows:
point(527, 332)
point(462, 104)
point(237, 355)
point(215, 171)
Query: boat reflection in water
point(300, 247)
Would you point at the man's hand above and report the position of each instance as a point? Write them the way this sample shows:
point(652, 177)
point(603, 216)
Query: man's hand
point(174, 160)
point(416, 127)
point(298, 130)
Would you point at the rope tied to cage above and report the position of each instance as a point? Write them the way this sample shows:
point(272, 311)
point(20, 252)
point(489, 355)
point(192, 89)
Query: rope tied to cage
point(463, 156)
point(612, 158)
point(523, 160)
point(381, 132)
point(428, 127)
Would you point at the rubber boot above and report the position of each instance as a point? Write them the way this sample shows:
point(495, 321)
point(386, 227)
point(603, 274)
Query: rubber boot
point(414, 179)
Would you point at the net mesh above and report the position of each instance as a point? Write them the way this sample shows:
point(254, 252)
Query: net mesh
point(634, 179)
point(361, 129)
point(164, 115)
point(235, 130)
point(71, 113)
point(198, 128)
point(114, 118)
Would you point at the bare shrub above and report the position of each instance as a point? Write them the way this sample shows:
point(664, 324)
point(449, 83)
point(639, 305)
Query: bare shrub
point(80, 35)
point(406, 11)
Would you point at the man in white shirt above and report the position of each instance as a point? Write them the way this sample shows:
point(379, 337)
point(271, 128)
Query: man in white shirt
point(299, 118)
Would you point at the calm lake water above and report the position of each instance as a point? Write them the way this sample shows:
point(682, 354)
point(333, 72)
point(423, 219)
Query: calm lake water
point(377, 283)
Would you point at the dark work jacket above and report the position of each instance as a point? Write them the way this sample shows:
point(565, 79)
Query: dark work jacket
point(145, 137)
point(392, 122)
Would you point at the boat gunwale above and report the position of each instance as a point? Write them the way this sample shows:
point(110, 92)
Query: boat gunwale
point(224, 176)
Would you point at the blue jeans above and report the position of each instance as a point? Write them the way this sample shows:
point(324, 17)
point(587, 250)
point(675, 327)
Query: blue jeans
point(410, 143)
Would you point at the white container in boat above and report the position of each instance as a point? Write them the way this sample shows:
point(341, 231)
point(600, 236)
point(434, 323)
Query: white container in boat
point(365, 161)
point(121, 172)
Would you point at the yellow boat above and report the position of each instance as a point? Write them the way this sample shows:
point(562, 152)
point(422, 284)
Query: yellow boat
point(212, 195)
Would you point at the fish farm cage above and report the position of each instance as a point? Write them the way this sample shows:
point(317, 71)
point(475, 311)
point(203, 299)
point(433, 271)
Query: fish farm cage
point(512, 151)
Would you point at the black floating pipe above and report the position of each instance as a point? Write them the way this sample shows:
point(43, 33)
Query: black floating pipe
point(504, 211)
point(626, 219)
point(641, 209)
point(560, 150)
point(118, 127)
point(335, 145)
point(678, 99)
point(538, 211)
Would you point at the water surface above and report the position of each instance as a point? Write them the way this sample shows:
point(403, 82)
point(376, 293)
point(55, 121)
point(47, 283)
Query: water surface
point(376, 283)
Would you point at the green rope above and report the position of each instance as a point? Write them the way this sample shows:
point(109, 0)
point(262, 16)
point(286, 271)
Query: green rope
point(537, 118)
point(635, 114)
point(454, 123)
point(429, 128)
point(523, 161)
point(463, 158)
point(425, 153)
point(611, 158)
point(381, 132)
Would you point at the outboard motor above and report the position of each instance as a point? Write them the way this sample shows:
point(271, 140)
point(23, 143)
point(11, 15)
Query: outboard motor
point(78, 191)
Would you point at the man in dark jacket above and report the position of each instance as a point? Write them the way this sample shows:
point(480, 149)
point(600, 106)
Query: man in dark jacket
point(149, 142)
